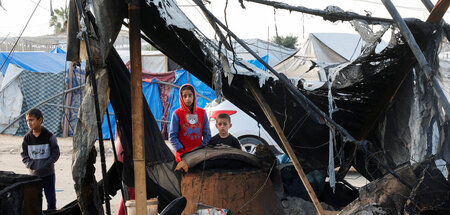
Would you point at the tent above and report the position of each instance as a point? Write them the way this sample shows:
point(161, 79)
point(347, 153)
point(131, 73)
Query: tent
point(322, 49)
point(30, 78)
point(57, 50)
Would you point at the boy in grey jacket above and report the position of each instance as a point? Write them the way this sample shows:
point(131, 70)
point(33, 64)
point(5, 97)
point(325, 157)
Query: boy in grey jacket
point(39, 153)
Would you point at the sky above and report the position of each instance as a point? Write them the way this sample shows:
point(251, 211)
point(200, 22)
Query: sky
point(256, 21)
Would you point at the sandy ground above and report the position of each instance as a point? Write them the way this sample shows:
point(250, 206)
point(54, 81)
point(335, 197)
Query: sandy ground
point(10, 160)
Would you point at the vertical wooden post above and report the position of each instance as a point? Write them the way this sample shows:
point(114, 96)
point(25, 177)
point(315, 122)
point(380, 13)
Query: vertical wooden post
point(137, 108)
point(271, 117)
point(68, 103)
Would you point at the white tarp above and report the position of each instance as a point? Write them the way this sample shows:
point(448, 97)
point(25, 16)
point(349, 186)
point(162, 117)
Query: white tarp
point(152, 61)
point(10, 99)
point(322, 49)
point(155, 63)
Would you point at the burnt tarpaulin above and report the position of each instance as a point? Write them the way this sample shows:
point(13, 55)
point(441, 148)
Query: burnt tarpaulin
point(162, 182)
point(84, 138)
point(362, 90)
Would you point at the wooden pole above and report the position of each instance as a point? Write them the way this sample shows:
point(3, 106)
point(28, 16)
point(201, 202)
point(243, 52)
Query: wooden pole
point(272, 119)
point(438, 11)
point(67, 103)
point(137, 108)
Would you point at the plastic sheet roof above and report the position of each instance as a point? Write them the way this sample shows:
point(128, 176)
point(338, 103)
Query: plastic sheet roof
point(34, 61)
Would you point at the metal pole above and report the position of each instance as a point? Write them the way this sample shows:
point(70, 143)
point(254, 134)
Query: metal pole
point(327, 15)
point(93, 81)
point(406, 33)
point(137, 108)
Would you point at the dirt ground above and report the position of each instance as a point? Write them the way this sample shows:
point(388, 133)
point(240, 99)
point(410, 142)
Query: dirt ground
point(10, 160)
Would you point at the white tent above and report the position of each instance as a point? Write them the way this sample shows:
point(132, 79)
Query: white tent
point(320, 50)
point(11, 99)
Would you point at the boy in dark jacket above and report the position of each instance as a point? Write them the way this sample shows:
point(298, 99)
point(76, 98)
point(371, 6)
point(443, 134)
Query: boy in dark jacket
point(39, 153)
point(223, 124)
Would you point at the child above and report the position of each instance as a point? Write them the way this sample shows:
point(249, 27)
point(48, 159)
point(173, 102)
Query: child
point(189, 124)
point(223, 124)
point(39, 153)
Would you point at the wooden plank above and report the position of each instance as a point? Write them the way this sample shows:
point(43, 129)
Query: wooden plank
point(271, 117)
point(438, 11)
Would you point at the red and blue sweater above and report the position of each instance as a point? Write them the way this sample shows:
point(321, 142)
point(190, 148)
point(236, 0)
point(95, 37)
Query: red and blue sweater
point(189, 130)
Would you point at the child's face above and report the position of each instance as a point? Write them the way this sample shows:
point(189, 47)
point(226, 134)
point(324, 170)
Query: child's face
point(33, 123)
point(188, 97)
point(223, 125)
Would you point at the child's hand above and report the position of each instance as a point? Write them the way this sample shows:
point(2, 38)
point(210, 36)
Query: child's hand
point(182, 167)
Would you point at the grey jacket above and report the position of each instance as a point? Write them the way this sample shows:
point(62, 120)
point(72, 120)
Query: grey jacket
point(40, 153)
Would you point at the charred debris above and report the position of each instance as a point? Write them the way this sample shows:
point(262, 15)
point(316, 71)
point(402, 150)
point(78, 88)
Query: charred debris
point(384, 113)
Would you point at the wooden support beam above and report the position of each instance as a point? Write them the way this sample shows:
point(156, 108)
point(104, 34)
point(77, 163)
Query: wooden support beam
point(137, 110)
point(272, 119)
point(438, 11)
point(67, 103)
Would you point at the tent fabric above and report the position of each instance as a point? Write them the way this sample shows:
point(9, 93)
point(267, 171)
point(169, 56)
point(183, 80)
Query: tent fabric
point(164, 92)
point(152, 61)
point(276, 53)
point(78, 79)
point(322, 49)
point(34, 61)
point(58, 50)
point(105, 127)
point(153, 98)
point(11, 99)
point(37, 87)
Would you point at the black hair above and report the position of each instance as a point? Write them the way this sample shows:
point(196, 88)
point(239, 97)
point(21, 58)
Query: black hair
point(187, 87)
point(36, 113)
point(224, 116)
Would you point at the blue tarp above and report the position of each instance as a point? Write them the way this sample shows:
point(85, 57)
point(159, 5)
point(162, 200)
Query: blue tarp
point(58, 50)
point(43, 62)
point(34, 61)
point(259, 64)
point(151, 94)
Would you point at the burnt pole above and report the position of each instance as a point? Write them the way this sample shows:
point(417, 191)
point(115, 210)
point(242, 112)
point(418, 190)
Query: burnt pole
point(137, 107)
